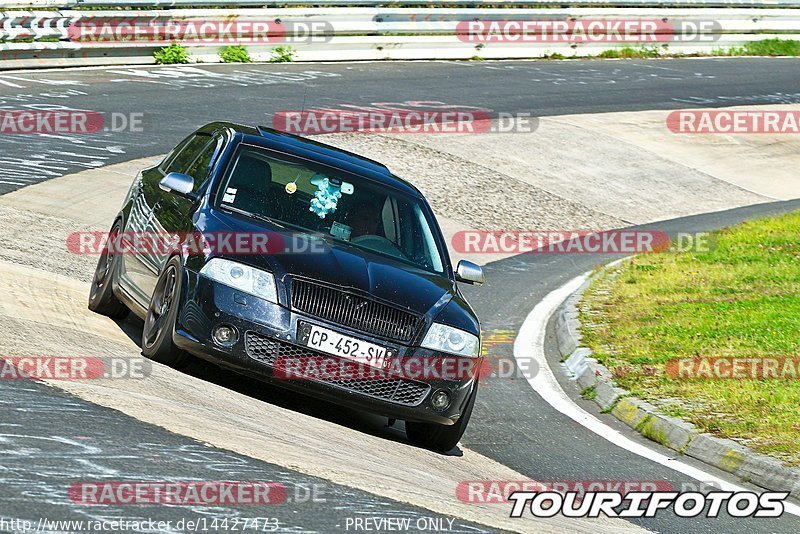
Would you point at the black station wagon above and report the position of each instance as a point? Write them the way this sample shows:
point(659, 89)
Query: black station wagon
point(353, 282)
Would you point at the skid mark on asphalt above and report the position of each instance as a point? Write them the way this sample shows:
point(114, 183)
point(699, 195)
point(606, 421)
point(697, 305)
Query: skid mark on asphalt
point(37, 158)
point(31, 158)
point(771, 98)
point(556, 74)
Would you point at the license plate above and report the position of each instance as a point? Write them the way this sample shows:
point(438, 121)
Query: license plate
point(336, 344)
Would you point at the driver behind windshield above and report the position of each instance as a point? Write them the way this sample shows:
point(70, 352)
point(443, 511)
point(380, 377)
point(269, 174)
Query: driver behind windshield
point(364, 217)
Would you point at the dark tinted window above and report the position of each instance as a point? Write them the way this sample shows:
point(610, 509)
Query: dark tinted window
point(202, 165)
point(189, 152)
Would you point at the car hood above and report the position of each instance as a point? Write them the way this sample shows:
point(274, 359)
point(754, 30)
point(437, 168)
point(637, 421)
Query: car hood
point(351, 268)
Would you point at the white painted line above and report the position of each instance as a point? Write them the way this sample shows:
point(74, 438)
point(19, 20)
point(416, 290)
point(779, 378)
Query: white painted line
point(44, 81)
point(530, 343)
point(11, 84)
point(18, 78)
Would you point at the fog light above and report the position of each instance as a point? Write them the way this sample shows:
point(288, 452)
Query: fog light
point(224, 335)
point(440, 400)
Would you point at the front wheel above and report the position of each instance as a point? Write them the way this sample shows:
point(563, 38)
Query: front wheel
point(441, 438)
point(159, 324)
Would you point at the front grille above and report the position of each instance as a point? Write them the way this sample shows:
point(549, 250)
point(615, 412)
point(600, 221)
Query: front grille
point(353, 311)
point(398, 390)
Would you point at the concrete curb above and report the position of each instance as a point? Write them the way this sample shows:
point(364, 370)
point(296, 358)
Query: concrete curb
point(679, 435)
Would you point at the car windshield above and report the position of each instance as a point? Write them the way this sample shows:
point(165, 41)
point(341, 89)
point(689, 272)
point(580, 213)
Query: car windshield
point(345, 207)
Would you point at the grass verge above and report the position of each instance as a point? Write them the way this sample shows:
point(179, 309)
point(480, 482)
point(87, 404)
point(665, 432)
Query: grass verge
point(739, 300)
point(764, 47)
point(767, 47)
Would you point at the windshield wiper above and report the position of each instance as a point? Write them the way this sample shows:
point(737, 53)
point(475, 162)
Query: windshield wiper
point(256, 216)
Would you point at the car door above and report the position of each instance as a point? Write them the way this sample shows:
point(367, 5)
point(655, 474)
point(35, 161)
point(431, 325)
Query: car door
point(149, 218)
point(172, 213)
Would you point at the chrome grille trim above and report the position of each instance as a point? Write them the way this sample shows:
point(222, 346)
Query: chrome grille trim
point(354, 311)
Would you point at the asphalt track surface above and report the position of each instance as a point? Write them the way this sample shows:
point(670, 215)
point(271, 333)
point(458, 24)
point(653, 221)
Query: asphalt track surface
point(511, 423)
point(50, 441)
point(173, 101)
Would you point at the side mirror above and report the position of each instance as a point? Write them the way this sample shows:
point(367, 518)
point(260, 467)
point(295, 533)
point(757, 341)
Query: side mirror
point(178, 183)
point(469, 273)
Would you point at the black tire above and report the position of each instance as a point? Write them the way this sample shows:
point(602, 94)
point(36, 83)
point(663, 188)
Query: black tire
point(102, 299)
point(159, 324)
point(441, 438)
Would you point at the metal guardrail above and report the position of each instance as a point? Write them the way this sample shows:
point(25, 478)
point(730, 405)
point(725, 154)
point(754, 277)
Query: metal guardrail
point(231, 4)
point(55, 25)
point(442, 3)
point(43, 38)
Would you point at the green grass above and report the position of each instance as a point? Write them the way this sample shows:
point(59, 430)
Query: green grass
point(173, 54)
point(647, 428)
point(767, 47)
point(627, 52)
point(282, 54)
point(741, 299)
point(235, 54)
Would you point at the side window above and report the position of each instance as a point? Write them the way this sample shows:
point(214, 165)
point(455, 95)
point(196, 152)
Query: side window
point(174, 152)
point(188, 154)
point(202, 165)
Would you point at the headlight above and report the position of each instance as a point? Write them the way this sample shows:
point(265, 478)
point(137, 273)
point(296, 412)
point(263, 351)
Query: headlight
point(448, 339)
point(242, 277)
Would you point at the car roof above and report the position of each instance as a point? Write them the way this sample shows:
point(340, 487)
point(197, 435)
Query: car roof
point(316, 151)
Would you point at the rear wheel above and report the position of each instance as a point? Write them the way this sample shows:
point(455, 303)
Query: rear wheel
point(102, 299)
point(442, 438)
point(159, 324)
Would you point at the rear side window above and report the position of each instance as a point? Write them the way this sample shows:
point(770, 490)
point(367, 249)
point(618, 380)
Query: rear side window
point(193, 157)
point(188, 153)
point(202, 165)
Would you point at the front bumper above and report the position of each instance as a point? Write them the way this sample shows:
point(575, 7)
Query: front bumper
point(267, 332)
